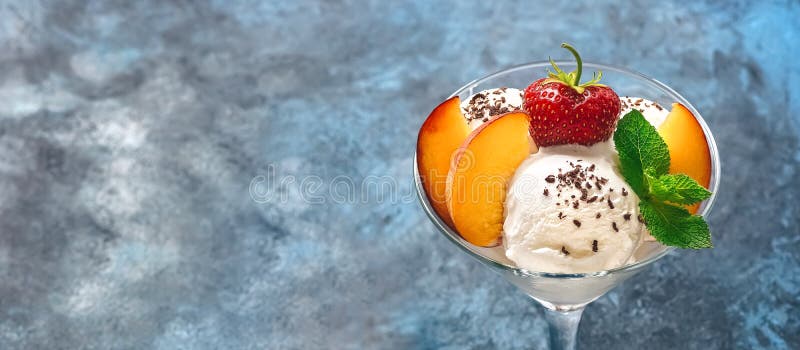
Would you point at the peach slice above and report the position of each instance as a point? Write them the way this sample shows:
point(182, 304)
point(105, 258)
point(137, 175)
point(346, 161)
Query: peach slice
point(439, 138)
point(478, 181)
point(688, 148)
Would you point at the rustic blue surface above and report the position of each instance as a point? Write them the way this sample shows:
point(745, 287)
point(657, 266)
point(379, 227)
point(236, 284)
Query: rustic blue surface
point(131, 132)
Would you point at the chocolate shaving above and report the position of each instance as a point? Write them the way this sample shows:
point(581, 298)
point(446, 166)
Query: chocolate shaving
point(594, 246)
point(577, 223)
point(482, 105)
point(614, 226)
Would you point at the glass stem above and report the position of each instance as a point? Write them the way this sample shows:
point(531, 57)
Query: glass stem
point(563, 327)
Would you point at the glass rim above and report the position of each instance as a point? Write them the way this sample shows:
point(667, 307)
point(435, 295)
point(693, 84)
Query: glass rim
point(467, 247)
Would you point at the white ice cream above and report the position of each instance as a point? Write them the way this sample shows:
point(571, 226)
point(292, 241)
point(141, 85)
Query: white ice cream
point(540, 232)
point(569, 210)
point(483, 105)
point(652, 111)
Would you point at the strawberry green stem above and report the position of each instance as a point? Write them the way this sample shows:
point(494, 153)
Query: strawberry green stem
point(573, 79)
point(578, 71)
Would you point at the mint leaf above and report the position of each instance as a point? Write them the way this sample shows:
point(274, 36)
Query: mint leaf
point(644, 163)
point(677, 188)
point(640, 147)
point(674, 226)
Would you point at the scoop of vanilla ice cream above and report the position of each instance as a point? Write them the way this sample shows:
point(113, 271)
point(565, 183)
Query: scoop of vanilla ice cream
point(483, 105)
point(652, 111)
point(569, 210)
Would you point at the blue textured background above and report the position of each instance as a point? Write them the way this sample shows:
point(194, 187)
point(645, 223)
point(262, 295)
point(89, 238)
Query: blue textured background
point(130, 133)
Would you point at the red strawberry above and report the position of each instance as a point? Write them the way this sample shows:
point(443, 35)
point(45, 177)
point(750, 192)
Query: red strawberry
point(563, 111)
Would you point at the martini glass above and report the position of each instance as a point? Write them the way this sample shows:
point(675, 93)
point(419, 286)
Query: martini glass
point(565, 295)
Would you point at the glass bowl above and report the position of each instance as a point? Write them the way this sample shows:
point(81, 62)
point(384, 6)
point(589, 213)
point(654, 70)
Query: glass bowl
point(565, 294)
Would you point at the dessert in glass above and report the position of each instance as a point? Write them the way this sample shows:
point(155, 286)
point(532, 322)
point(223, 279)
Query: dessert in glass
point(567, 188)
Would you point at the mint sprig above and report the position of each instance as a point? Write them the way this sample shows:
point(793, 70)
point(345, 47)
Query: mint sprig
point(644, 163)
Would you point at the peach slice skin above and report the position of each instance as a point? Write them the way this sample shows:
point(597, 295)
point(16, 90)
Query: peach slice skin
point(439, 138)
point(478, 181)
point(688, 148)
